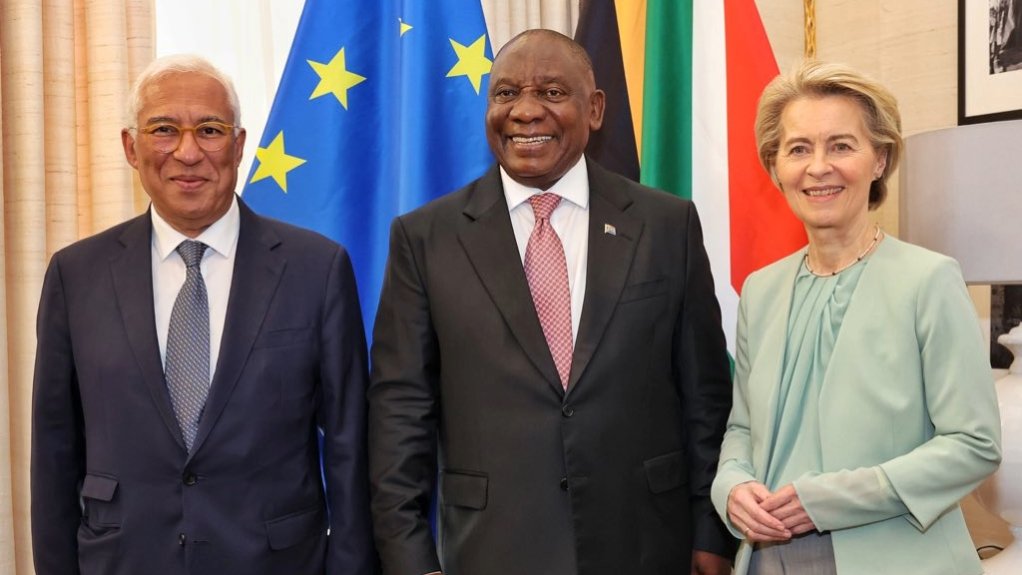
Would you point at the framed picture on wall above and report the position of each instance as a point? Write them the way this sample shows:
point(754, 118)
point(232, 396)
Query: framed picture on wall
point(989, 60)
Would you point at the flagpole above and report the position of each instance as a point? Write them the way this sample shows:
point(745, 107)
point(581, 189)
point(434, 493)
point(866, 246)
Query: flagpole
point(809, 9)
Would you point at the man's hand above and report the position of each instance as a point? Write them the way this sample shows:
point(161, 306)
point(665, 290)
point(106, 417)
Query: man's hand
point(746, 512)
point(706, 563)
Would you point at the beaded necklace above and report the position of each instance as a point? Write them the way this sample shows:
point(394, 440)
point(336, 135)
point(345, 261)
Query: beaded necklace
point(876, 239)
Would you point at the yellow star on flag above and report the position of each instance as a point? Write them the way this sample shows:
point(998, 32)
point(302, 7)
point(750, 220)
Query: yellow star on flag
point(404, 27)
point(334, 78)
point(472, 61)
point(275, 163)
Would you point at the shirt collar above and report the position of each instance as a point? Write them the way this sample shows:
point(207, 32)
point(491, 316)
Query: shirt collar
point(573, 186)
point(221, 236)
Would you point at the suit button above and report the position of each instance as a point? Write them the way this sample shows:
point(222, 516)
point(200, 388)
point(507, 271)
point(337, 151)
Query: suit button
point(564, 484)
point(567, 411)
point(190, 479)
point(181, 539)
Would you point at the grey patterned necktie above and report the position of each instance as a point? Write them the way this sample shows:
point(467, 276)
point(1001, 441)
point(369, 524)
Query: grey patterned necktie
point(187, 362)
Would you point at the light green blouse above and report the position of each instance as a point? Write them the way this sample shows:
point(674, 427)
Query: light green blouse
point(818, 307)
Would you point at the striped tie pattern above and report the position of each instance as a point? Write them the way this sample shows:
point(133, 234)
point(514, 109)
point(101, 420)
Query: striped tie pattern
point(187, 362)
point(547, 273)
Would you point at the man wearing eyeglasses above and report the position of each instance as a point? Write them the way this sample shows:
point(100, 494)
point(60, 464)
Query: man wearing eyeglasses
point(188, 361)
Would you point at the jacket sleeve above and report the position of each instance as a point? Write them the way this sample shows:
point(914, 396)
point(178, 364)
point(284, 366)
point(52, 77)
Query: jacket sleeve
point(58, 450)
point(736, 450)
point(342, 418)
point(702, 370)
point(964, 446)
point(404, 407)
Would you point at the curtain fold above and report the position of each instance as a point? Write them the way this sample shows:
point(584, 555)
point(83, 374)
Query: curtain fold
point(24, 247)
point(64, 70)
point(107, 51)
point(505, 18)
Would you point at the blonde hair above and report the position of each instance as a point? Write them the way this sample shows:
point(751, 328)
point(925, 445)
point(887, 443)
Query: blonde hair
point(814, 79)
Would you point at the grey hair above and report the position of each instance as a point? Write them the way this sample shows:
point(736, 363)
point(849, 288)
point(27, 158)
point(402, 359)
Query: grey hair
point(176, 64)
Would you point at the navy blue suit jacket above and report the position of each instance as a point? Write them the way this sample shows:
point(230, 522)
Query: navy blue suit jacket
point(114, 491)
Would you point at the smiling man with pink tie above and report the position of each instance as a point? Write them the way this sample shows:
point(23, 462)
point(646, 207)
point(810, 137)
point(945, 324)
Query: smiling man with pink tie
point(548, 345)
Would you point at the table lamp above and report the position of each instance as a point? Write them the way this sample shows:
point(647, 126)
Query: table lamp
point(961, 195)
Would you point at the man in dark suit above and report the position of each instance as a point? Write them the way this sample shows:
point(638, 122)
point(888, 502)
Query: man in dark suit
point(188, 360)
point(569, 390)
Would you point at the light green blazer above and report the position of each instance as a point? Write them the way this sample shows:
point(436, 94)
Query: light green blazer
point(908, 392)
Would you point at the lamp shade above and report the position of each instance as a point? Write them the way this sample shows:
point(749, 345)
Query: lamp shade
point(961, 195)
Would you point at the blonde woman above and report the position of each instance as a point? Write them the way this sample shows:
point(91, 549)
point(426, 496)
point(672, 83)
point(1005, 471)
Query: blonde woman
point(864, 406)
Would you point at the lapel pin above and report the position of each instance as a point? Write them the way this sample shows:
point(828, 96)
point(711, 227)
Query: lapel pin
point(609, 229)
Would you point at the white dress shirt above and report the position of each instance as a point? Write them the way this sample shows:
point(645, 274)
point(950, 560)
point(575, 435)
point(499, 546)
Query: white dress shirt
point(570, 220)
point(217, 268)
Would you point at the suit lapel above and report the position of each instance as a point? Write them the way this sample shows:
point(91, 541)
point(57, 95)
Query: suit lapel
point(257, 272)
point(132, 274)
point(607, 265)
point(489, 241)
point(868, 285)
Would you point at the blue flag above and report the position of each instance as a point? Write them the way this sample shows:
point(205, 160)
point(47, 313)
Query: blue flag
point(379, 110)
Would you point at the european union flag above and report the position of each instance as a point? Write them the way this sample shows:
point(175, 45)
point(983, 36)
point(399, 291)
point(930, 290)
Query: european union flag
point(379, 110)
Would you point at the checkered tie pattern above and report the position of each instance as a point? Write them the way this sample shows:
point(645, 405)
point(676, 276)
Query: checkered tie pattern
point(187, 361)
point(547, 272)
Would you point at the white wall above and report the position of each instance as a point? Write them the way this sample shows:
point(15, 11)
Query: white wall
point(248, 39)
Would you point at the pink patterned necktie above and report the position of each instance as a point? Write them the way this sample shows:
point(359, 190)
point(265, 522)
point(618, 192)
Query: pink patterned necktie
point(547, 272)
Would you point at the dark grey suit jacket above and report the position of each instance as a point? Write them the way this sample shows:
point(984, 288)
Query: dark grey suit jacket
point(114, 492)
point(612, 476)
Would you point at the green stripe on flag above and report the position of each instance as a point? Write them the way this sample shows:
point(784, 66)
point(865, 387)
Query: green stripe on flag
point(667, 98)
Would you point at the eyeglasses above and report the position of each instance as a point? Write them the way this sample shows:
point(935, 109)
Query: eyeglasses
point(210, 136)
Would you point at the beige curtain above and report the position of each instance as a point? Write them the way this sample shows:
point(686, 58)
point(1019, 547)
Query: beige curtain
point(505, 18)
point(64, 70)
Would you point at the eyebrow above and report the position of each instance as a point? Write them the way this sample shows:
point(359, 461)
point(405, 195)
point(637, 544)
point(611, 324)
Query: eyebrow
point(833, 138)
point(538, 81)
point(170, 120)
